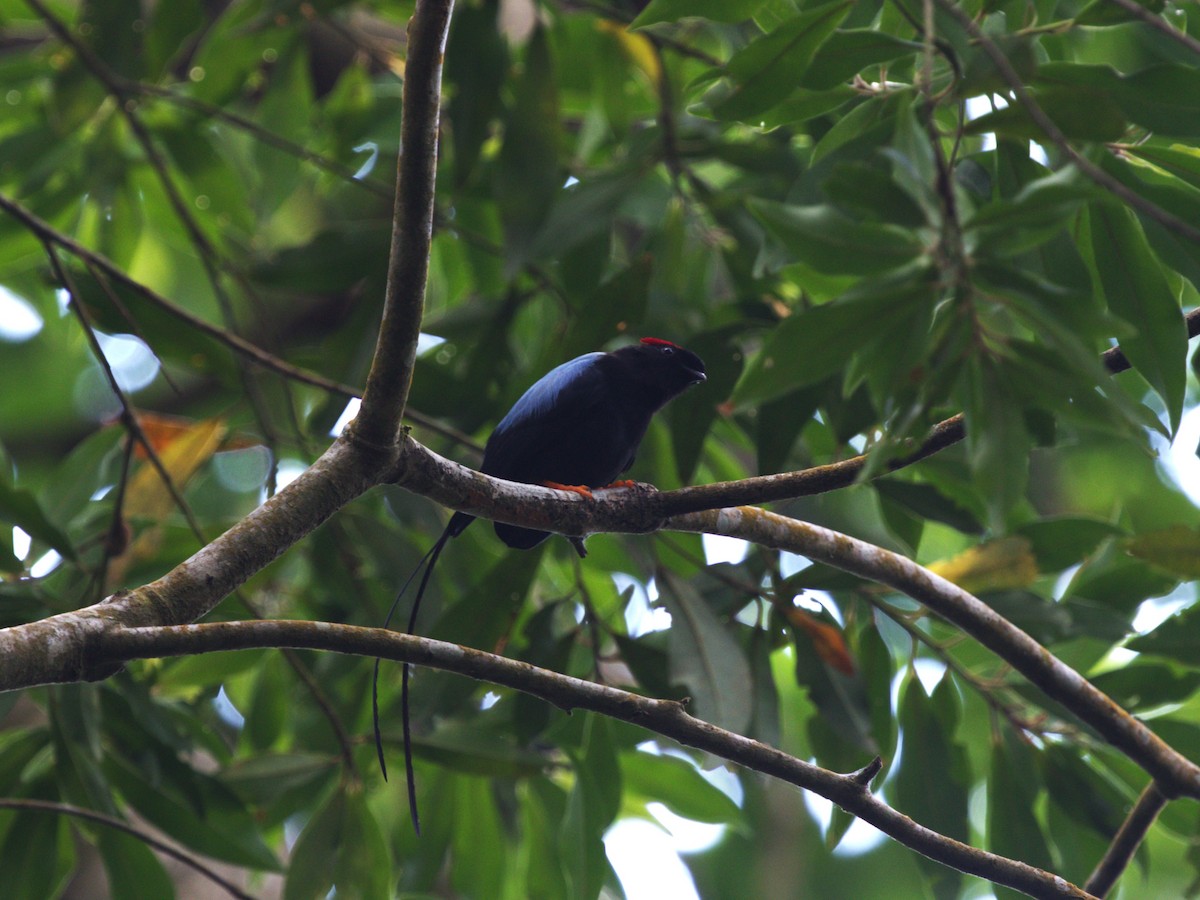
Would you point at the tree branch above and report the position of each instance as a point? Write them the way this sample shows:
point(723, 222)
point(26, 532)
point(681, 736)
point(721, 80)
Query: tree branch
point(48, 234)
point(1128, 838)
point(61, 648)
point(1158, 23)
point(412, 229)
point(79, 812)
point(1175, 774)
point(664, 717)
point(1055, 134)
point(210, 259)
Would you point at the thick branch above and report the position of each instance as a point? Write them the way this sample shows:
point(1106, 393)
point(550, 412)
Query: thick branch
point(1175, 774)
point(62, 648)
point(412, 229)
point(664, 717)
point(460, 488)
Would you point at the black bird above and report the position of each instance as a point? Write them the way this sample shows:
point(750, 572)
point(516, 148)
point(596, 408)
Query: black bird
point(578, 427)
point(581, 423)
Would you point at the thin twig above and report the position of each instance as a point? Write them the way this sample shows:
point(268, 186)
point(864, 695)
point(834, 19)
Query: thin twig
point(206, 251)
point(47, 233)
point(1158, 23)
point(1056, 136)
point(263, 135)
point(67, 809)
point(132, 424)
point(980, 685)
point(1128, 838)
point(116, 540)
point(129, 416)
point(115, 299)
point(664, 717)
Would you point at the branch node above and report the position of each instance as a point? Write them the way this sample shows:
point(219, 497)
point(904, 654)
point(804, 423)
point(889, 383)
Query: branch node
point(867, 773)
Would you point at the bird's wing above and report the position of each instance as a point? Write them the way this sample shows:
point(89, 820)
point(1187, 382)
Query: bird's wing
point(549, 408)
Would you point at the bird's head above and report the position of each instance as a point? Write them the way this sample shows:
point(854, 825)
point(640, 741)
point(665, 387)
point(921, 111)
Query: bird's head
point(663, 364)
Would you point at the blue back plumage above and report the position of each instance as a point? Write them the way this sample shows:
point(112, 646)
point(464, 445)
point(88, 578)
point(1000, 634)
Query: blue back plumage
point(568, 383)
point(581, 423)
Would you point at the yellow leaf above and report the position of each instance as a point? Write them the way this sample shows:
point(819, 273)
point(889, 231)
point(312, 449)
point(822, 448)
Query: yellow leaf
point(636, 46)
point(147, 496)
point(995, 566)
point(1176, 549)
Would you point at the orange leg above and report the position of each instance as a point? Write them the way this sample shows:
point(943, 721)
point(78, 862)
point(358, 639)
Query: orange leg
point(624, 483)
point(581, 489)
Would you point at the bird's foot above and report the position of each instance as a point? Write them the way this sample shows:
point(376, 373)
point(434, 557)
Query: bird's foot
point(623, 483)
point(582, 489)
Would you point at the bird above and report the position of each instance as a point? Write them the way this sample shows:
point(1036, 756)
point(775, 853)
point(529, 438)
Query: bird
point(577, 427)
point(580, 425)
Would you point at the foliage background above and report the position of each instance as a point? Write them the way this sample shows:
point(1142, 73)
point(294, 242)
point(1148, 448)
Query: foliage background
point(761, 186)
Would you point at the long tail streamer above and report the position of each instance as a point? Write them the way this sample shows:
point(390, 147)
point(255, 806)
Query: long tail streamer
point(429, 560)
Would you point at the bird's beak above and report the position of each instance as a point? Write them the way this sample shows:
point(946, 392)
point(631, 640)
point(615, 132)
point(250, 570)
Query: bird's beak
point(698, 377)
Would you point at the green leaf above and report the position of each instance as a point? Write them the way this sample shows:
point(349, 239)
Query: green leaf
point(22, 509)
point(1179, 160)
point(1137, 290)
point(583, 211)
point(1143, 685)
point(997, 439)
point(833, 243)
point(1177, 638)
point(1120, 583)
point(36, 855)
point(1084, 794)
point(475, 749)
point(770, 68)
point(706, 658)
point(481, 851)
point(843, 735)
point(1105, 12)
point(621, 299)
point(1035, 214)
point(657, 11)
point(134, 872)
point(1013, 829)
point(18, 749)
point(528, 178)
point(932, 785)
point(846, 53)
point(802, 105)
point(1064, 541)
point(269, 709)
point(870, 191)
point(591, 807)
point(1080, 115)
point(1162, 98)
point(341, 847)
point(927, 502)
point(476, 64)
point(8, 560)
point(218, 826)
point(678, 785)
point(262, 778)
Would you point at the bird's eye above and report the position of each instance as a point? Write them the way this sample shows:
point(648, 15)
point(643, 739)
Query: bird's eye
point(668, 351)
